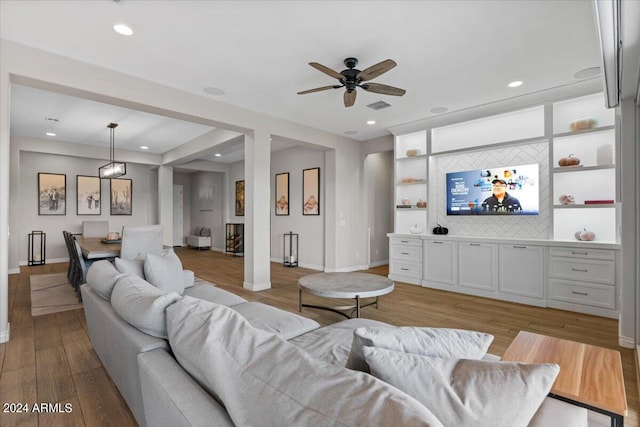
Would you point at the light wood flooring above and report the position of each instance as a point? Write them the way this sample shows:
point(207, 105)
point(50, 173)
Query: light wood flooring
point(49, 358)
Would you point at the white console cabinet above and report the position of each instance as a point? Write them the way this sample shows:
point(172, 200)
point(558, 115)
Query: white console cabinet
point(522, 273)
point(478, 266)
point(440, 264)
point(405, 259)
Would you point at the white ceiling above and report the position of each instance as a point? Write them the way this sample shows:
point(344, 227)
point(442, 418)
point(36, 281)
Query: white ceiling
point(453, 54)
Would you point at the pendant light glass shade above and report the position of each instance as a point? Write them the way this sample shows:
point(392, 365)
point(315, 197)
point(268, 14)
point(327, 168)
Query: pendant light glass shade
point(112, 169)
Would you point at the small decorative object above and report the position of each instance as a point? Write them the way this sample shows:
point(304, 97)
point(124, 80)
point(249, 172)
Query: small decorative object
point(415, 229)
point(406, 201)
point(290, 249)
point(37, 246)
point(421, 203)
point(113, 235)
point(599, 202)
point(440, 230)
point(567, 199)
point(604, 155)
point(409, 180)
point(413, 152)
point(585, 235)
point(569, 161)
point(583, 124)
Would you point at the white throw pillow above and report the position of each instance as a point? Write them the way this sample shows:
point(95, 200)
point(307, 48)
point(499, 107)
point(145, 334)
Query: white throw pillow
point(164, 271)
point(439, 342)
point(467, 393)
point(130, 266)
point(102, 277)
point(142, 305)
point(263, 380)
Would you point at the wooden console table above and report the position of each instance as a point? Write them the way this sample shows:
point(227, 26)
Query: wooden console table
point(590, 376)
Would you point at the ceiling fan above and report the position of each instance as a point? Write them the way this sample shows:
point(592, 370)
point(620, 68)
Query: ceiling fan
point(351, 78)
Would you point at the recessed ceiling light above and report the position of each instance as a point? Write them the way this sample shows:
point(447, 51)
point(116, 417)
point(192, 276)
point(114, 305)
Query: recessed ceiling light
point(218, 155)
point(213, 91)
point(50, 134)
point(123, 29)
point(350, 132)
point(587, 72)
point(371, 122)
point(144, 147)
point(438, 110)
point(515, 83)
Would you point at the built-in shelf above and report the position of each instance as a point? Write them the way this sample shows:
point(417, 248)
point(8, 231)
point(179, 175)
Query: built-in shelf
point(563, 169)
point(582, 206)
point(582, 132)
point(412, 208)
point(421, 156)
point(413, 183)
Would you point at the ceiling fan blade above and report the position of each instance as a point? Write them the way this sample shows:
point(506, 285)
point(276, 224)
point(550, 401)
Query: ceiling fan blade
point(383, 89)
point(349, 98)
point(318, 89)
point(327, 70)
point(376, 70)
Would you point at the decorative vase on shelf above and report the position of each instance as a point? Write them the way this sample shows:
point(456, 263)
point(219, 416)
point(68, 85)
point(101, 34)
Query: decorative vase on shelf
point(415, 229)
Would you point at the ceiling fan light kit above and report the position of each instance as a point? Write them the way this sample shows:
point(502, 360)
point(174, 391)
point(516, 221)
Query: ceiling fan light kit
point(352, 78)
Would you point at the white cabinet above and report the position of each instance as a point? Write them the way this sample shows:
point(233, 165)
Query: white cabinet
point(478, 265)
point(405, 264)
point(583, 280)
point(522, 273)
point(440, 264)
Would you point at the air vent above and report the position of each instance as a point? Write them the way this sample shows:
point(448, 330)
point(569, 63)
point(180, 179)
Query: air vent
point(379, 105)
point(51, 119)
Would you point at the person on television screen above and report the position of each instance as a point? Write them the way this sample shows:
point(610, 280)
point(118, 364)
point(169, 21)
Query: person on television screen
point(500, 201)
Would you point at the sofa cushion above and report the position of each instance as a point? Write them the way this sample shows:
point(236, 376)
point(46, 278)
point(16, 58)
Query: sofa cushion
point(164, 271)
point(282, 323)
point(439, 342)
point(102, 277)
point(465, 392)
point(188, 278)
point(142, 305)
point(556, 413)
point(333, 343)
point(263, 380)
point(208, 292)
point(130, 266)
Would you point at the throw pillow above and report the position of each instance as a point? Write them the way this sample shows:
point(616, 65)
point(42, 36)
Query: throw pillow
point(467, 393)
point(197, 231)
point(439, 342)
point(164, 271)
point(142, 305)
point(102, 277)
point(263, 380)
point(130, 266)
point(205, 232)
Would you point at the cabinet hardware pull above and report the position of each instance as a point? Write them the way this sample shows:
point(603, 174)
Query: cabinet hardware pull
point(519, 247)
point(579, 253)
point(581, 270)
point(474, 244)
point(580, 293)
point(404, 269)
point(437, 242)
point(404, 241)
point(404, 253)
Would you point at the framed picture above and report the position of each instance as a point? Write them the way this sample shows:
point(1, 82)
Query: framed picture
point(311, 191)
point(88, 195)
point(205, 199)
point(121, 196)
point(240, 198)
point(52, 194)
point(282, 193)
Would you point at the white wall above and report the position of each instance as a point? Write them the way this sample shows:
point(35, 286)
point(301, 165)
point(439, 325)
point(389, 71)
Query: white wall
point(212, 219)
point(378, 179)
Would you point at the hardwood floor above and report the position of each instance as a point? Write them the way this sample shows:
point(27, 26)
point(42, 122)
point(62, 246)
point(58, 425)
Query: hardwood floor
point(49, 358)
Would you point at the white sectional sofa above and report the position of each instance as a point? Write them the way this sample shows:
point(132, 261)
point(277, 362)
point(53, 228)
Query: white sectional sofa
point(166, 381)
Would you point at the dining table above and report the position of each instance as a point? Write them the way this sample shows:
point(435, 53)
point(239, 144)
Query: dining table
point(98, 247)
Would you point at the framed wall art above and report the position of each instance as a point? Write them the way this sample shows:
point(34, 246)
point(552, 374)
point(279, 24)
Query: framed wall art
point(282, 193)
point(121, 196)
point(205, 198)
point(52, 194)
point(311, 191)
point(88, 195)
point(240, 198)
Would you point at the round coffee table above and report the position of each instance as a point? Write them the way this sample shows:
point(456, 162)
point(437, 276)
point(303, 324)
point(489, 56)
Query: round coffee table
point(346, 286)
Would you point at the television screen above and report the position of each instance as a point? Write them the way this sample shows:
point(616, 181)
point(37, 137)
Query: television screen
point(508, 190)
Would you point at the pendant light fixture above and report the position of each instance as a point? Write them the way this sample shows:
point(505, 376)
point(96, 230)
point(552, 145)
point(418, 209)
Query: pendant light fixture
point(112, 169)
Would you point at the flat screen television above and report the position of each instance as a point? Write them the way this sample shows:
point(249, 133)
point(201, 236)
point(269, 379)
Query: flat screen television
point(507, 190)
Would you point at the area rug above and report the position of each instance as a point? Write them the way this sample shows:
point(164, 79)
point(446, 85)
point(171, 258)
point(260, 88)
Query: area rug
point(52, 293)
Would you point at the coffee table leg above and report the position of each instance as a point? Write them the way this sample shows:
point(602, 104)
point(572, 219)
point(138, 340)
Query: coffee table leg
point(300, 300)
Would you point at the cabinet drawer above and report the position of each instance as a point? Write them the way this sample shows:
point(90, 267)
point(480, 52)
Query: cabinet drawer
point(406, 269)
point(406, 241)
point(583, 293)
point(587, 270)
point(583, 253)
point(406, 253)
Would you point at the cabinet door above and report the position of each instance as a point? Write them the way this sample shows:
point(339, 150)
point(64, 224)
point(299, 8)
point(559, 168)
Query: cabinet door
point(440, 262)
point(478, 265)
point(521, 270)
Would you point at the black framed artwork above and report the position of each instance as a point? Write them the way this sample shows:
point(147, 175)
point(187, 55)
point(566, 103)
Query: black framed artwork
point(311, 191)
point(240, 198)
point(121, 190)
point(52, 193)
point(88, 195)
point(282, 194)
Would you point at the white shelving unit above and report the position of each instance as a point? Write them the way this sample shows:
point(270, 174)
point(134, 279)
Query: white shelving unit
point(410, 177)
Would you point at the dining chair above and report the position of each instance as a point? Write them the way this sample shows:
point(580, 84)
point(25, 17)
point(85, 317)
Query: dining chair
point(95, 228)
point(72, 265)
point(137, 242)
point(81, 266)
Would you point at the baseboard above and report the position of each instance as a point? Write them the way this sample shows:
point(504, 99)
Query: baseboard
point(379, 263)
point(256, 286)
point(638, 365)
point(626, 342)
point(14, 271)
point(4, 335)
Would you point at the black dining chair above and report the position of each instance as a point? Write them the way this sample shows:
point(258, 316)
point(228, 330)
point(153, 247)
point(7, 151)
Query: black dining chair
point(71, 271)
point(81, 266)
